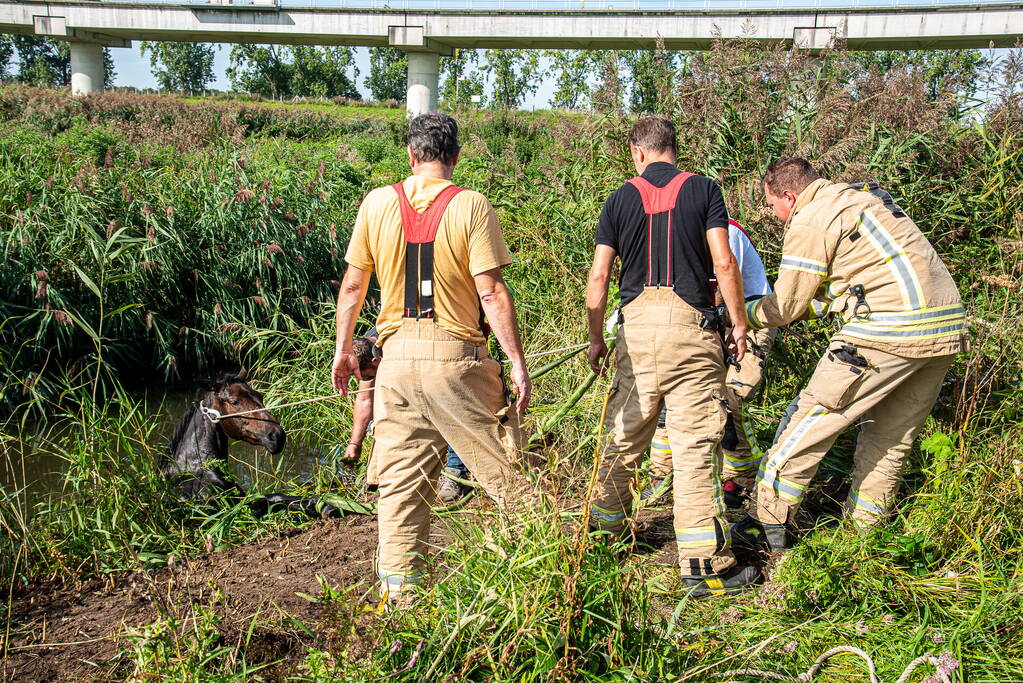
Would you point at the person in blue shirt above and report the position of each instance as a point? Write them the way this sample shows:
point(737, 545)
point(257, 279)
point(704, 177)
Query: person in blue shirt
point(742, 456)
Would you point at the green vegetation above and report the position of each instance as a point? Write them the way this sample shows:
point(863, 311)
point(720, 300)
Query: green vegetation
point(525, 598)
point(181, 67)
point(294, 70)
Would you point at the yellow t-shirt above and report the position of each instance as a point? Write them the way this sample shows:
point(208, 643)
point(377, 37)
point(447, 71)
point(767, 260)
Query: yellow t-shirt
point(468, 242)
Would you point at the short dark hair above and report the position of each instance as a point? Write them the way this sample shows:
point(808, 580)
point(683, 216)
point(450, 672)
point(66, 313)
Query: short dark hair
point(791, 174)
point(363, 347)
point(654, 133)
point(434, 137)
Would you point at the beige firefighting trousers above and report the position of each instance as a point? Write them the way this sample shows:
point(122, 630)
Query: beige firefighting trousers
point(743, 460)
point(891, 398)
point(665, 355)
point(433, 389)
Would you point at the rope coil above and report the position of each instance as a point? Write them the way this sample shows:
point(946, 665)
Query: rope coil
point(942, 668)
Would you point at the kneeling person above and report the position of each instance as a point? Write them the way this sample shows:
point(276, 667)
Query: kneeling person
point(369, 357)
point(741, 455)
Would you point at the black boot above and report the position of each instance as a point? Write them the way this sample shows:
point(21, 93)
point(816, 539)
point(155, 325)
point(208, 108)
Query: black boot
point(734, 494)
point(750, 533)
point(733, 580)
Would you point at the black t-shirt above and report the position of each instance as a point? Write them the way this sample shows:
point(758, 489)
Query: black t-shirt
point(623, 227)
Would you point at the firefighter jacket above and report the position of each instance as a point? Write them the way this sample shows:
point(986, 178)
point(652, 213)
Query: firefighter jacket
point(851, 251)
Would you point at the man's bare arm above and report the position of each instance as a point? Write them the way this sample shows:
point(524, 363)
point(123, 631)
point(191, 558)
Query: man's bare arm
point(596, 304)
point(500, 311)
point(729, 278)
point(350, 297)
point(362, 416)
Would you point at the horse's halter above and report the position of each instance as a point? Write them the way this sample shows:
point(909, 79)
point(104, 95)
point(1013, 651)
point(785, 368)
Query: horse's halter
point(212, 414)
point(215, 416)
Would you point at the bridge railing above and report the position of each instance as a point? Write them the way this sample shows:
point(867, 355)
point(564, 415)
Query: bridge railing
point(577, 5)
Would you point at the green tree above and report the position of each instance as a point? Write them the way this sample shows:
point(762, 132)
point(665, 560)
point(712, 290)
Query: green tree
point(44, 62)
point(462, 80)
point(609, 93)
point(388, 73)
point(572, 71)
point(182, 67)
point(943, 70)
point(651, 77)
point(260, 69)
point(6, 52)
point(274, 71)
point(514, 73)
point(324, 71)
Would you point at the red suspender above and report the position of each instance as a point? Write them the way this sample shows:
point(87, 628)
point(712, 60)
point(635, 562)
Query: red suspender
point(658, 202)
point(422, 227)
point(660, 199)
point(735, 224)
point(420, 230)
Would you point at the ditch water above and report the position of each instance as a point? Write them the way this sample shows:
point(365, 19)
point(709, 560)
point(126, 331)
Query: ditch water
point(34, 467)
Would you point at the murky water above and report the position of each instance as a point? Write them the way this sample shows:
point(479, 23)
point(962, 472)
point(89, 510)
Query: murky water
point(38, 471)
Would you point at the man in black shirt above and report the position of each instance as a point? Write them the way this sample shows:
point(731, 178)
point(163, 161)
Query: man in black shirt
point(670, 230)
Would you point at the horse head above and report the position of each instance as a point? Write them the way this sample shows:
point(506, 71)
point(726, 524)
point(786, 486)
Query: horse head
point(232, 394)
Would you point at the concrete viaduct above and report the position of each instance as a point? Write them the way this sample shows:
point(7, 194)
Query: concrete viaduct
point(426, 34)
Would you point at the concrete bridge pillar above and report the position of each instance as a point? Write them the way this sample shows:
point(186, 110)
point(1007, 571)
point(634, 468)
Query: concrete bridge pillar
point(86, 68)
point(423, 83)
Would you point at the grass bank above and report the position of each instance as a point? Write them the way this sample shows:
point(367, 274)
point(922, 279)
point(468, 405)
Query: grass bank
point(520, 600)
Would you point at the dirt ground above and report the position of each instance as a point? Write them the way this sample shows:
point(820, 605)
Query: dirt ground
point(72, 635)
point(61, 635)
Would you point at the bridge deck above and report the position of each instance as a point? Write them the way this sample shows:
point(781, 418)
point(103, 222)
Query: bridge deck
point(932, 25)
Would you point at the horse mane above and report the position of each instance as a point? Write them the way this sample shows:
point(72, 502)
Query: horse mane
point(180, 428)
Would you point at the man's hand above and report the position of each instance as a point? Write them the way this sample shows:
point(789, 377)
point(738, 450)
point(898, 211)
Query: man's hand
point(352, 453)
point(736, 342)
point(597, 355)
point(346, 364)
point(522, 386)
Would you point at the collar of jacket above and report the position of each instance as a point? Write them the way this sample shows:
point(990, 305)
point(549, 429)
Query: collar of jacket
point(808, 194)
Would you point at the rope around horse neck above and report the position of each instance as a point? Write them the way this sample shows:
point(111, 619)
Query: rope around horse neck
point(216, 416)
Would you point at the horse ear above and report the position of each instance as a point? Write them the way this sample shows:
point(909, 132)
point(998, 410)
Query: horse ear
point(207, 384)
point(243, 373)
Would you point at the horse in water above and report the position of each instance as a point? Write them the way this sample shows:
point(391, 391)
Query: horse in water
point(196, 459)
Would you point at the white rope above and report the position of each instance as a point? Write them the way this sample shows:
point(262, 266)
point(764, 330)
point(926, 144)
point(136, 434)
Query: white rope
point(216, 416)
point(942, 669)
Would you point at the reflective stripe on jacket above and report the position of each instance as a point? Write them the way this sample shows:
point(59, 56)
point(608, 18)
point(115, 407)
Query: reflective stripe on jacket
point(840, 236)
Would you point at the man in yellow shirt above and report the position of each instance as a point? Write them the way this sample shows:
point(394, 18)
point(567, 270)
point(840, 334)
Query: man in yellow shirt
point(437, 251)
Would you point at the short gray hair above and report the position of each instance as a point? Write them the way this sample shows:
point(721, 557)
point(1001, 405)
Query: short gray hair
point(434, 137)
point(363, 347)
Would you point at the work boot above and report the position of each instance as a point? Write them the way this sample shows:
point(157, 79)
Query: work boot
point(732, 580)
point(735, 495)
point(655, 490)
point(451, 491)
point(750, 533)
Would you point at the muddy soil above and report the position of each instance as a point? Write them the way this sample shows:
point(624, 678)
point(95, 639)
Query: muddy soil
point(77, 634)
